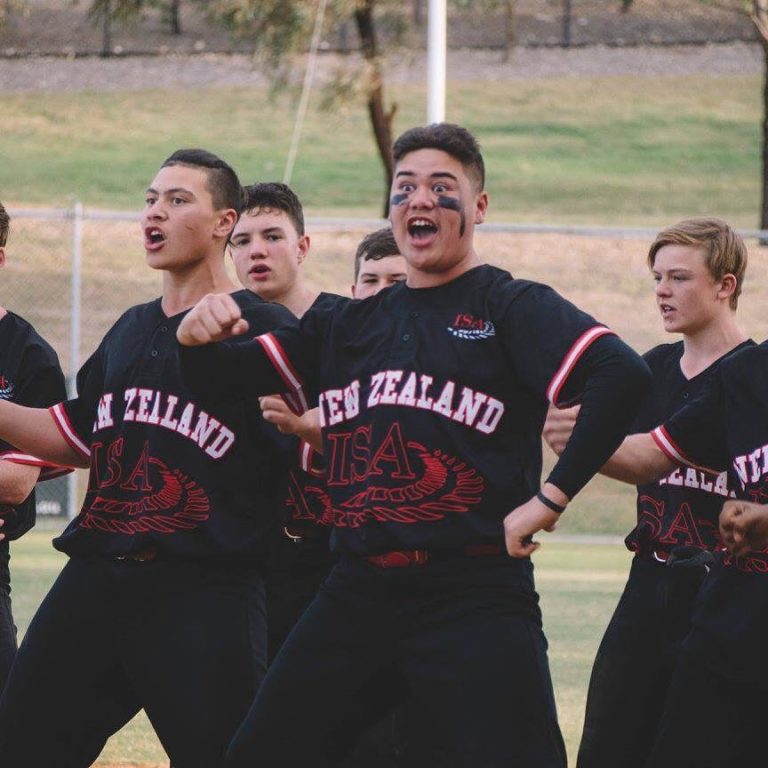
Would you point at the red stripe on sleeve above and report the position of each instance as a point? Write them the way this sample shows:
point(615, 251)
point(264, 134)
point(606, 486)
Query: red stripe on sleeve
point(68, 432)
point(571, 358)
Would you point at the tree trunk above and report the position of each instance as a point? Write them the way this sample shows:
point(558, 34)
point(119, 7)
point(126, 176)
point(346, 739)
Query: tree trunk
point(381, 119)
point(174, 16)
point(509, 29)
point(418, 13)
point(764, 187)
point(106, 29)
point(566, 43)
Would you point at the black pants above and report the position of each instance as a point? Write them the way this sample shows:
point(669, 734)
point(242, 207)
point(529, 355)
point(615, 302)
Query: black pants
point(183, 640)
point(295, 571)
point(710, 721)
point(634, 664)
point(7, 625)
point(465, 634)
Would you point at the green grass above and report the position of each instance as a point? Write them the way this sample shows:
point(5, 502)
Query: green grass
point(579, 586)
point(618, 150)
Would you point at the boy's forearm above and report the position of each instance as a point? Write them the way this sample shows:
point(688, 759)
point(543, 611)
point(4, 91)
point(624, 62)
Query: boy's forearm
point(34, 431)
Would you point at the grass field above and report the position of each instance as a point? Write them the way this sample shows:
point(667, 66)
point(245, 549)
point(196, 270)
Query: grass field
point(612, 150)
point(619, 150)
point(579, 585)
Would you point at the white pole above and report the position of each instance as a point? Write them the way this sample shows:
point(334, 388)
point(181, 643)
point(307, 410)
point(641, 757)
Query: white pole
point(436, 58)
point(74, 333)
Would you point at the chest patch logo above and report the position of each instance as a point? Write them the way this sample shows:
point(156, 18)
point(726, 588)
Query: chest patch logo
point(6, 388)
point(470, 327)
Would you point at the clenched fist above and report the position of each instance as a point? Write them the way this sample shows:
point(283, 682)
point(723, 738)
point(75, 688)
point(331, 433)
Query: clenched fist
point(214, 318)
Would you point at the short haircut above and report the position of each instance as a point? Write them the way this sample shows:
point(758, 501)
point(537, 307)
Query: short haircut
point(5, 225)
point(374, 247)
point(724, 251)
point(452, 139)
point(222, 181)
point(273, 195)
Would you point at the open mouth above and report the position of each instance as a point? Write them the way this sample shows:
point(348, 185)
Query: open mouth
point(154, 237)
point(259, 270)
point(421, 229)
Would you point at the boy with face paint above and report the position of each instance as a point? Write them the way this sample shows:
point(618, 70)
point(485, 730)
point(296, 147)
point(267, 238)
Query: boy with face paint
point(433, 395)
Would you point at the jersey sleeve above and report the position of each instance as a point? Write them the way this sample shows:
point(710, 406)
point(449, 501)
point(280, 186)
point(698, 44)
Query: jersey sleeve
point(696, 435)
point(75, 417)
point(41, 385)
point(284, 360)
point(546, 337)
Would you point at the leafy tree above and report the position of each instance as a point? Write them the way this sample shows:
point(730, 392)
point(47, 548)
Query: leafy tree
point(279, 28)
point(107, 12)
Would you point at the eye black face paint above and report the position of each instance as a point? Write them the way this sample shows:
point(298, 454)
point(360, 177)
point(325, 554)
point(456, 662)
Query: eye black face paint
point(397, 200)
point(452, 204)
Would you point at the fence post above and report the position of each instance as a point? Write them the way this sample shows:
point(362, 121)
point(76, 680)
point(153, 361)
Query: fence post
point(74, 333)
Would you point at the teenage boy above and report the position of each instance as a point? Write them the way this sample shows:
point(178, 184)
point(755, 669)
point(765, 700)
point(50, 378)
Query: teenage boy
point(378, 264)
point(160, 605)
point(433, 397)
point(699, 266)
point(29, 375)
point(268, 247)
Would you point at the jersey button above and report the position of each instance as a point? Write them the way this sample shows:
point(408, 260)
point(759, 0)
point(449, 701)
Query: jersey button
point(414, 315)
point(406, 336)
point(154, 353)
point(163, 328)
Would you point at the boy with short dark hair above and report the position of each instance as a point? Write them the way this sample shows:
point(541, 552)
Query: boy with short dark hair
point(433, 395)
point(378, 264)
point(29, 375)
point(160, 605)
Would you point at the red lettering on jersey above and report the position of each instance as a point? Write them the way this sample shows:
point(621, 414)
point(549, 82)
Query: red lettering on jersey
point(361, 453)
point(392, 452)
point(683, 529)
point(337, 464)
point(114, 467)
point(140, 472)
point(650, 515)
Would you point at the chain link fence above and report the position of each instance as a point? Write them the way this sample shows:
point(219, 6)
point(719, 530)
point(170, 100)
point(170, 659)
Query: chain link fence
point(72, 272)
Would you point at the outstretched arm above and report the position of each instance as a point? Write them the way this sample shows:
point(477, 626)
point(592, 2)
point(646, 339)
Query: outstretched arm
point(34, 431)
point(252, 366)
point(613, 380)
point(637, 460)
point(16, 481)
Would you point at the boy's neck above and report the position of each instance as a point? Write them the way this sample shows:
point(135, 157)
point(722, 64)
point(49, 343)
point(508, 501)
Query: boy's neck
point(299, 298)
point(710, 344)
point(183, 289)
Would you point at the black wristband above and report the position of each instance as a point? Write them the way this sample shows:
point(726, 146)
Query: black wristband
point(559, 508)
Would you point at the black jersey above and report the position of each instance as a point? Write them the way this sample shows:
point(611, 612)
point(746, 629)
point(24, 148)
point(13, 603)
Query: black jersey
point(727, 428)
point(431, 403)
point(29, 375)
point(308, 510)
point(187, 475)
point(681, 509)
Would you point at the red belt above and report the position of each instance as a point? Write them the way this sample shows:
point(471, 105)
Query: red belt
point(407, 557)
point(142, 556)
